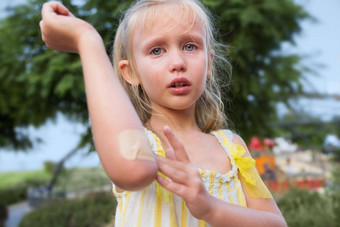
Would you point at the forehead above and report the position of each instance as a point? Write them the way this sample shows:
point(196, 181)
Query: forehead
point(166, 17)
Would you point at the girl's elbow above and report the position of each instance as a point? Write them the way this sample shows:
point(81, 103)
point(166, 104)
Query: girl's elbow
point(135, 175)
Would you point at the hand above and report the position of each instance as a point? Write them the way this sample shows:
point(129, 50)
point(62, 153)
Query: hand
point(185, 179)
point(61, 30)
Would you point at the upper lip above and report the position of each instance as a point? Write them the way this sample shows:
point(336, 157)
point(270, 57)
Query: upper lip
point(179, 80)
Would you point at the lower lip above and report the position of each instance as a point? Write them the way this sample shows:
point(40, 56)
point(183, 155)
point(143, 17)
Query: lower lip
point(180, 90)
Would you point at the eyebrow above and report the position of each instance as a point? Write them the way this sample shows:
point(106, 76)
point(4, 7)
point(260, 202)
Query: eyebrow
point(193, 36)
point(161, 40)
point(148, 44)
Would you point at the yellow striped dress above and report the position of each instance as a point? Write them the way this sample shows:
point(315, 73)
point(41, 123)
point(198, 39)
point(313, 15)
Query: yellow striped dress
point(155, 206)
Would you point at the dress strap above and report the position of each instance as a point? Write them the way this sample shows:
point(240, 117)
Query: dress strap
point(162, 195)
point(225, 138)
point(155, 143)
point(245, 164)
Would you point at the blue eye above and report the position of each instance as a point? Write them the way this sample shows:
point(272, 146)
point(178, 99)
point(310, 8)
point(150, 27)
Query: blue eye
point(156, 51)
point(189, 47)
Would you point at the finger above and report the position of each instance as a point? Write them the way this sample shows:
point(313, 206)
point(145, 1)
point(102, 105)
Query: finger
point(54, 8)
point(170, 154)
point(176, 171)
point(48, 9)
point(62, 10)
point(172, 186)
point(176, 144)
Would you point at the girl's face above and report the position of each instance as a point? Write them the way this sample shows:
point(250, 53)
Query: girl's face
point(172, 59)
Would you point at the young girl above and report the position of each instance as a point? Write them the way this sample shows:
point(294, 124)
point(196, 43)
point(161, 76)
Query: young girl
point(194, 174)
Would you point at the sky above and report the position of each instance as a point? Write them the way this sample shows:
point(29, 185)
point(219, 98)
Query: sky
point(319, 43)
point(59, 138)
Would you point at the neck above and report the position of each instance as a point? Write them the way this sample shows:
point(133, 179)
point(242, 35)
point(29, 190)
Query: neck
point(179, 121)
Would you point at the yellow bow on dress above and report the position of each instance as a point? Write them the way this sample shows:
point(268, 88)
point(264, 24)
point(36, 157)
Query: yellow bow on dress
point(249, 175)
point(243, 163)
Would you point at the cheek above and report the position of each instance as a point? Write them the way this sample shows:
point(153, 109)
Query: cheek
point(151, 82)
point(200, 69)
point(150, 75)
point(152, 85)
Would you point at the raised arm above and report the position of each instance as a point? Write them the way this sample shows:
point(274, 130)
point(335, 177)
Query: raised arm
point(111, 111)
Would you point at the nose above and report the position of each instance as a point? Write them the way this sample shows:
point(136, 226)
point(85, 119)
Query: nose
point(177, 61)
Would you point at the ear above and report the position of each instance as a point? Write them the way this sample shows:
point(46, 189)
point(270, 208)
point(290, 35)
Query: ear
point(210, 63)
point(125, 70)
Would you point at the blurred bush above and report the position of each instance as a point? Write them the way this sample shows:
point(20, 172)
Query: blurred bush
point(3, 214)
point(81, 178)
point(17, 193)
point(49, 167)
point(337, 155)
point(94, 210)
point(302, 207)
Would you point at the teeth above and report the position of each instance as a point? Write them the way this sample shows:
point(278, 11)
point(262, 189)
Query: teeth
point(179, 84)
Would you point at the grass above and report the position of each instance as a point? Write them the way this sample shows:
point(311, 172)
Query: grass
point(68, 179)
point(8, 179)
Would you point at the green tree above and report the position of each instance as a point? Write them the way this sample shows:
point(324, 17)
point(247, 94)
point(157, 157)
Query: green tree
point(37, 83)
point(262, 76)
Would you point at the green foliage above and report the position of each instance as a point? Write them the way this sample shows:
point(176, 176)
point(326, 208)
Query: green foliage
point(37, 83)
point(3, 214)
point(9, 179)
point(77, 179)
point(92, 211)
point(17, 193)
point(334, 192)
point(14, 185)
point(302, 207)
point(49, 167)
point(301, 130)
point(335, 197)
point(262, 76)
point(306, 208)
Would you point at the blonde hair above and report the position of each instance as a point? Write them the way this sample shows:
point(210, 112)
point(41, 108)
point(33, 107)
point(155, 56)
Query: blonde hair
point(209, 113)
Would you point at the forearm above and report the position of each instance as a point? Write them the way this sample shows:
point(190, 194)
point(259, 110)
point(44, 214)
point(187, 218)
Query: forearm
point(225, 214)
point(111, 112)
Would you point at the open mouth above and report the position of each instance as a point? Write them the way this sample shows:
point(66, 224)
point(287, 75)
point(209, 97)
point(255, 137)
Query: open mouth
point(179, 84)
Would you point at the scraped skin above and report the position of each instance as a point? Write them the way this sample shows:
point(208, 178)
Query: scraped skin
point(133, 145)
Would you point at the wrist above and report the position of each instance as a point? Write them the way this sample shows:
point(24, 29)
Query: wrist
point(89, 39)
point(210, 211)
point(202, 207)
